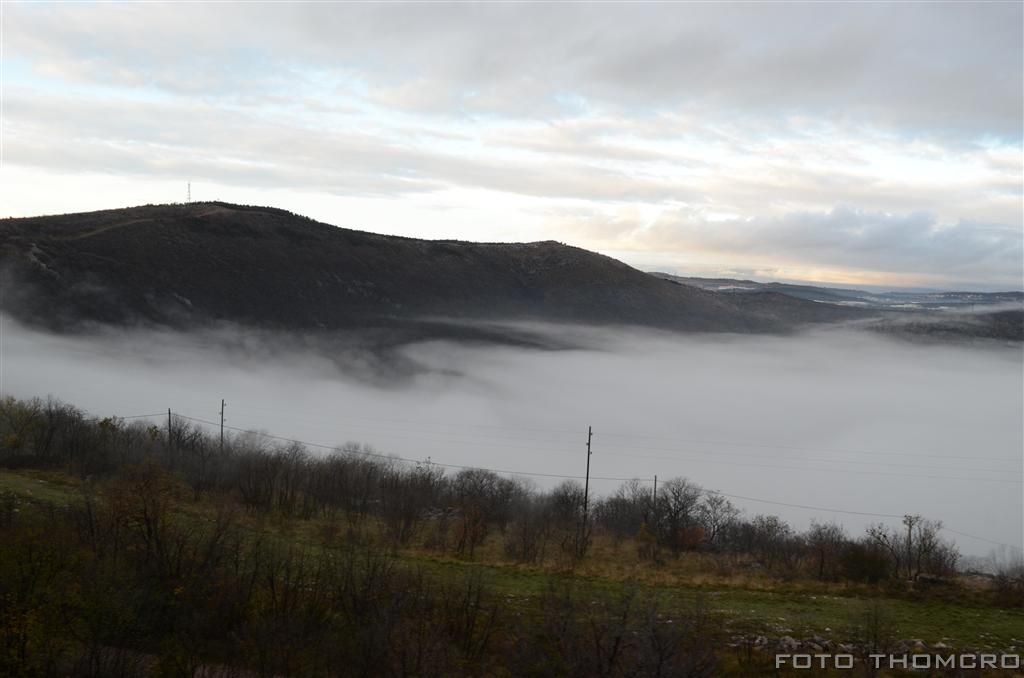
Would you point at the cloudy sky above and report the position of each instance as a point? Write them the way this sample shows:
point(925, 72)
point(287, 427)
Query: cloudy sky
point(848, 143)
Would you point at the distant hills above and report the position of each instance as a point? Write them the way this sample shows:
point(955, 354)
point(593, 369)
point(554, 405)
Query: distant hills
point(934, 316)
point(187, 265)
point(852, 297)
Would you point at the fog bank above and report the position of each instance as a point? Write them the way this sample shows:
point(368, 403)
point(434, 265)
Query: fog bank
point(833, 419)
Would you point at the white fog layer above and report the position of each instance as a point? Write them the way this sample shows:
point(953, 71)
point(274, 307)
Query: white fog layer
point(835, 419)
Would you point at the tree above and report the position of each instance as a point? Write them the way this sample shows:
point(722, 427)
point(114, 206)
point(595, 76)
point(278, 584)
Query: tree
point(624, 512)
point(716, 514)
point(676, 509)
point(918, 550)
point(772, 539)
point(825, 541)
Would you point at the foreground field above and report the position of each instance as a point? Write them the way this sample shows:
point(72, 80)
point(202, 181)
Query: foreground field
point(736, 617)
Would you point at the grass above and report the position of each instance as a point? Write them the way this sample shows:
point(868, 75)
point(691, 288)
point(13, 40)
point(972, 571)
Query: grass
point(748, 603)
point(49, 487)
point(785, 611)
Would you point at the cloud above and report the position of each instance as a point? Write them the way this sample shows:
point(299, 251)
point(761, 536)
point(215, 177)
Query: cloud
point(948, 68)
point(195, 139)
point(853, 239)
point(592, 119)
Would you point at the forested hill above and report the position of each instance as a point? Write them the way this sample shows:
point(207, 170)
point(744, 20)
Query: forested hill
point(188, 264)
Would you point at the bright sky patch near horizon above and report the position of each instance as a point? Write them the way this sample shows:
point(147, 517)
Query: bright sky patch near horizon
point(867, 143)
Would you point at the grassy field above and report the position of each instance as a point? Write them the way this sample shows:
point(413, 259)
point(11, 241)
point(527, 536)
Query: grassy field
point(748, 604)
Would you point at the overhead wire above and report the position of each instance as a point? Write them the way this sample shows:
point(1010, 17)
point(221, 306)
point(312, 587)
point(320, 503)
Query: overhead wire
point(394, 457)
point(419, 426)
point(707, 461)
point(128, 416)
point(464, 438)
point(572, 477)
point(974, 536)
point(629, 454)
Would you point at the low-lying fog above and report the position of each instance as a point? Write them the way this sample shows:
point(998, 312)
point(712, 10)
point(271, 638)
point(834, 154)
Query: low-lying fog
point(833, 419)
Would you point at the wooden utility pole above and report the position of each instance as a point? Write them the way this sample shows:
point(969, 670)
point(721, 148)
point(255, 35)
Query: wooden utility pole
point(586, 485)
point(222, 427)
point(910, 521)
point(581, 538)
point(654, 502)
point(168, 428)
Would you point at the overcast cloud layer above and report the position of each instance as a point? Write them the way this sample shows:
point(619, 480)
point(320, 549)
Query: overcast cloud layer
point(867, 143)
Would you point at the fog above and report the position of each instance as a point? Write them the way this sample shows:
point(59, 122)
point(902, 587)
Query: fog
point(834, 418)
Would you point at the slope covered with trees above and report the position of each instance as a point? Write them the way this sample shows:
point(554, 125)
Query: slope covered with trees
point(136, 549)
point(195, 263)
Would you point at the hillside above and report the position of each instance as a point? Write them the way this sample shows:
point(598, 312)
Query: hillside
point(188, 264)
point(887, 300)
point(1007, 325)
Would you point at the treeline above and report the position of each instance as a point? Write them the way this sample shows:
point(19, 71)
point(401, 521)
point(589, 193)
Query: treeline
point(125, 584)
point(366, 495)
point(170, 563)
point(181, 559)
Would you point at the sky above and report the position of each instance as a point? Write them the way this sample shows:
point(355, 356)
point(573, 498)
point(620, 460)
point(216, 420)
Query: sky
point(855, 143)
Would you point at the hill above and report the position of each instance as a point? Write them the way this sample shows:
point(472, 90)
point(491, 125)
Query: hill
point(887, 300)
point(188, 264)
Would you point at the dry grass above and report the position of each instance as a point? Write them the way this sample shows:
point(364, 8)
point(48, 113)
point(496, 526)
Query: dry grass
point(748, 598)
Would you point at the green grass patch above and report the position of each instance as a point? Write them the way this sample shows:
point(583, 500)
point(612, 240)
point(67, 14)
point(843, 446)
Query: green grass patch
point(51, 487)
point(773, 608)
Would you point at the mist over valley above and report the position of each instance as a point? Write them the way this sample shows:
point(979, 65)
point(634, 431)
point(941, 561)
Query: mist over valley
point(835, 417)
point(551, 339)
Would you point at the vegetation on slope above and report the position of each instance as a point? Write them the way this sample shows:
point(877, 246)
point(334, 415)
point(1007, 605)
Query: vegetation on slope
point(134, 550)
point(181, 265)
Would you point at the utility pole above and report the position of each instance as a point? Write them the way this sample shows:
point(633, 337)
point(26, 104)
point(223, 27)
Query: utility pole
point(910, 521)
point(654, 519)
point(586, 486)
point(168, 428)
point(581, 541)
point(654, 502)
point(222, 427)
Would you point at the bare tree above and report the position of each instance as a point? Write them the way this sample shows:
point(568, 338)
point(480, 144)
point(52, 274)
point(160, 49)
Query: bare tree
point(825, 540)
point(676, 510)
point(917, 550)
point(716, 514)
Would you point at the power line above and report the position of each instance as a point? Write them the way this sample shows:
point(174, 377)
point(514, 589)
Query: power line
point(130, 416)
point(572, 477)
point(569, 434)
point(805, 506)
point(679, 459)
point(974, 536)
point(812, 449)
point(810, 459)
point(419, 424)
point(718, 462)
point(465, 441)
point(393, 457)
point(420, 435)
point(468, 439)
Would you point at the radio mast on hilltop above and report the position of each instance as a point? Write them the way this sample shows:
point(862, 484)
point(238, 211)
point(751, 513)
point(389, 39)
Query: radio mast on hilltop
point(189, 191)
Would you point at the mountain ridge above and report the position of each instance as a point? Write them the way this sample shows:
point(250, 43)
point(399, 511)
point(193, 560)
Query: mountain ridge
point(195, 263)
